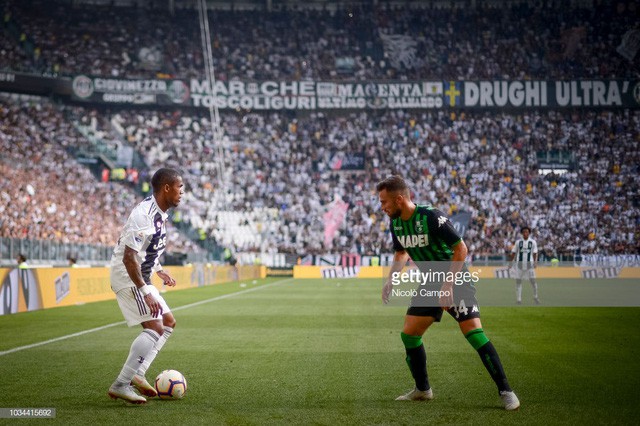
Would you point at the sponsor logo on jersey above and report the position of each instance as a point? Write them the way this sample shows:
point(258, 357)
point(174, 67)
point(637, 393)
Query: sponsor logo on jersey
point(474, 308)
point(441, 221)
point(409, 241)
point(161, 243)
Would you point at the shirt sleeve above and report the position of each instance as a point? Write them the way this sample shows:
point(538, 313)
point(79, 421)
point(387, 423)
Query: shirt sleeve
point(535, 247)
point(441, 227)
point(396, 243)
point(138, 230)
point(515, 247)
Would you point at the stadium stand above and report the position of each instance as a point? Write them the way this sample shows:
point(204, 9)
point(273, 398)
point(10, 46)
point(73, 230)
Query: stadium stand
point(520, 41)
point(281, 177)
point(482, 163)
point(37, 175)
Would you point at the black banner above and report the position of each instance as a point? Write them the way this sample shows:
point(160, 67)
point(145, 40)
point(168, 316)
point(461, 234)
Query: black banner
point(533, 94)
point(130, 91)
point(34, 85)
point(319, 95)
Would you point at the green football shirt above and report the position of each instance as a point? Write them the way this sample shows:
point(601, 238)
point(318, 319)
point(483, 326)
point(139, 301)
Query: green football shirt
point(428, 235)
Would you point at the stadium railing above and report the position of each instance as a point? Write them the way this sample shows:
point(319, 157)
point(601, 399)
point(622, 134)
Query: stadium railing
point(51, 251)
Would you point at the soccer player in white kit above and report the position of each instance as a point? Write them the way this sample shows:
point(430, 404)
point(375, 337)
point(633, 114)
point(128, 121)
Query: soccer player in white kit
point(135, 257)
point(524, 256)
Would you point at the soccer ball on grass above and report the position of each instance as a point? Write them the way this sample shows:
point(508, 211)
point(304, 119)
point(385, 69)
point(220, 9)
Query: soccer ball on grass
point(171, 384)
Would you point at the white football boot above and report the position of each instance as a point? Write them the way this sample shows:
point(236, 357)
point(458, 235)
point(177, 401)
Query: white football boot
point(416, 395)
point(509, 400)
point(144, 387)
point(126, 393)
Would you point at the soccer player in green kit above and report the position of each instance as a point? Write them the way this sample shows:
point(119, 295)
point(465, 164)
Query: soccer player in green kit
point(425, 234)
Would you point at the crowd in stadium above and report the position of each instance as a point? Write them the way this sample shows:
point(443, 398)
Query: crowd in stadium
point(523, 41)
point(279, 165)
point(482, 163)
point(45, 193)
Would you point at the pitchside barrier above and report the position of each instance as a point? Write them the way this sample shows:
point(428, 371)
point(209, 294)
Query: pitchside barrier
point(24, 290)
point(306, 271)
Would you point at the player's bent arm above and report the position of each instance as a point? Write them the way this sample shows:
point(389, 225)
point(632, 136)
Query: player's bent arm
point(135, 273)
point(400, 259)
point(460, 252)
point(166, 278)
point(130, 261)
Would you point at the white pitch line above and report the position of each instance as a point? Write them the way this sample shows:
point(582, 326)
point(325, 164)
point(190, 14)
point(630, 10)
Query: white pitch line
point(92, 330)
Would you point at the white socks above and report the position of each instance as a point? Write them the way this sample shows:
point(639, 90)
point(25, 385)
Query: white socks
point(534, 285)
point(142, 368)
point(140, 349)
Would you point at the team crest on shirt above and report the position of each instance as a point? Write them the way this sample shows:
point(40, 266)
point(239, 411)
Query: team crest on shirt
point(419, 227)
point(441, 221)
point(138, 237)
point(158, 225)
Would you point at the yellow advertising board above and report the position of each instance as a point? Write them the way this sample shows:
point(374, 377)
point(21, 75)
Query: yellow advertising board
point(31, 289)
point(307, 271)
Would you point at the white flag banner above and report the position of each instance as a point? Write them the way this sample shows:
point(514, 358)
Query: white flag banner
point(401, 50)
point(630, 44)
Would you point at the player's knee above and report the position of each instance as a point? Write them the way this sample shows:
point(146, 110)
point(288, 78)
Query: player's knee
point(155, 326)
point(169, 322)
point(477, 338)
point(410, 341)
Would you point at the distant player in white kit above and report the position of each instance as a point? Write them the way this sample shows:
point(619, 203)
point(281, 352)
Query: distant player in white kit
point(524, 256)
point(135, 257)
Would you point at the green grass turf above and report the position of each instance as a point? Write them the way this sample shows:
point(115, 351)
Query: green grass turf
point(326, 352)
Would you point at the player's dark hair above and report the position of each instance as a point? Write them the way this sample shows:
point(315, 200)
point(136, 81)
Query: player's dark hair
point(394, 184)
point(163, 177)
point(525, 227)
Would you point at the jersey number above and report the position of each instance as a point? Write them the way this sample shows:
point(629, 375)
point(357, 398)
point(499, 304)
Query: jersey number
point(461, 309)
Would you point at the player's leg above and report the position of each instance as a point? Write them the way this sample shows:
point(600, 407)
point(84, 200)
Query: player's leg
point(518, 291)
point(139, 379)
point(534, 286)
point(467, 313)
point(168, 323)
point(416, 323)
point(473, 332)
point(135, 312)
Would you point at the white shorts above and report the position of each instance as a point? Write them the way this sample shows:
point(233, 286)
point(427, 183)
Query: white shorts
point(523, 274)
point(133, 307)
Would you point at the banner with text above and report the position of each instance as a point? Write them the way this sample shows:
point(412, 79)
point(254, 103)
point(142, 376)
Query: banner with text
point(324, 95)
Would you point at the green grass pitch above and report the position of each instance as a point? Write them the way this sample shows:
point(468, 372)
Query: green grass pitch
point(325, 352)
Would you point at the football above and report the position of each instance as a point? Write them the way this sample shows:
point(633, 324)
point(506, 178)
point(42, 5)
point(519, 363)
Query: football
point(171, 384)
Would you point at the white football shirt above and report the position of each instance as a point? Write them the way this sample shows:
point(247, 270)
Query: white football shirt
point(146, 233)
point(524, 250)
